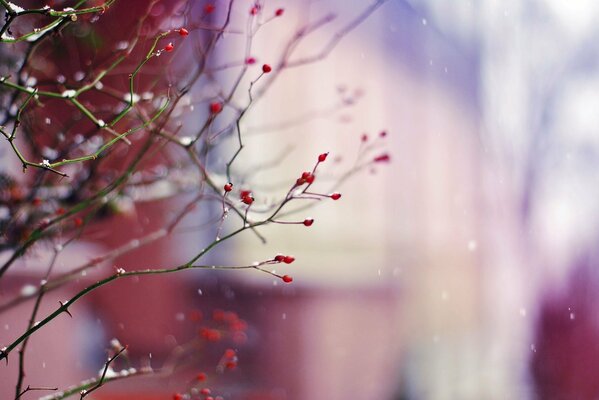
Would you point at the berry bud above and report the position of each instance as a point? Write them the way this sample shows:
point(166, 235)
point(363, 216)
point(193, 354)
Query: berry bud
point(279, 12)
point(288, 259)
point(229, 353)
point(209, 8)
point(228, 187)
point(205, 391)
point(382, 158)
point(279, 258)
point(201, 377)
point(266, 68)
point(322, 157)
point(308, 221)
point(183, 32)
point(169, 47)
point(250, 60)
point(248, 200)
point(216, 107)
point(287, 279)
point(336, 196)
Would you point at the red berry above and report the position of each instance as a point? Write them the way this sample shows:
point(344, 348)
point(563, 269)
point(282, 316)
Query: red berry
point(300, 181)
point(209, 8)
point(266, 68)
point(279, 12)
point(306, 174)
point(308, 221)
point(205, 391)
point(364, 137)
point(279, 258)
point(288, 259)
point(311, 179)
point(169, 47)
point(287, 279)
point(250, 60)
point(183, 32)
point(322, 157)
point(383, 134)
point(248, 200)
point(244, 193)
point(216, 107)
point(201, 377)
point(231, 364)
point(336, 196)
point(218, 315)
point(254, 10)
point(78, 221)
point(177, 396)
point(382, 158)
point(195, 315)
point(229, 353)
point(228, 187)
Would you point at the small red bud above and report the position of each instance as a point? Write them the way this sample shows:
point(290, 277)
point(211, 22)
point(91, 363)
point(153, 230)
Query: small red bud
point(228, 187)
point(78, 221)
point(288, 259)
point(177, 396)
point(279, 258)
point(308, 221)
point(229, 353)
point(382, 158)
point(287, 279)
point(266, 68)
point(201, 377)
point(216, 107)
point(364, 138)
point(279, 12)
point(322, 157)
point(244, 193)
point(336, 196)
point(250, 60)
point(205, 391)
point(383, 134)
point(209, 8)
point(169, 47)
point(300, 181)
point(310, 179)
point(248, 200)
point(231, 364)
point(254, 10)
point(183, 32)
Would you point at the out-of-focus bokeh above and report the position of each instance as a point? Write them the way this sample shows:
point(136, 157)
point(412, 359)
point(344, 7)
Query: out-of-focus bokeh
point(465, 268)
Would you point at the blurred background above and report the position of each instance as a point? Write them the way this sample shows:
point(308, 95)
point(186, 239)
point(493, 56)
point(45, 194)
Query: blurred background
point(466, 268)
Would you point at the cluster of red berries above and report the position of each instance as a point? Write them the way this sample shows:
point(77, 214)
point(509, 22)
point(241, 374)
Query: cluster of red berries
point(228, 324)
point(170, 46)
point(228, 360)
point(307, 177)
point(246, 197)
point(284, 259)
